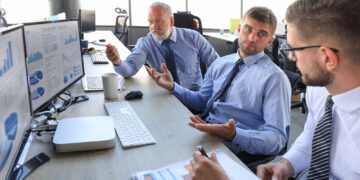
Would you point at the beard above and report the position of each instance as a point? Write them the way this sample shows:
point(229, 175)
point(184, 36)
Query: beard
point(161, 37)
point(320, 76)
point(246, 49)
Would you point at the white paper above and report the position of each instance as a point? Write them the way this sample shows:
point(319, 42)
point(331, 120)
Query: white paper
point(180, 170)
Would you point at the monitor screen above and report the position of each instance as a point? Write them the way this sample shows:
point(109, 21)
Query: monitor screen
point(15, 114)
point(87, 20)
point(54, 60)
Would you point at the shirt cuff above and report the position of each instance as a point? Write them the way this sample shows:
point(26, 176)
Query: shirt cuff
point(240, 142)
point(295, 160)
point(177, 89)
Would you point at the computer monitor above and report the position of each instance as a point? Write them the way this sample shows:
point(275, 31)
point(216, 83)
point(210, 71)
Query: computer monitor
point(15, 114)
point(54, 60)
point(87, 20)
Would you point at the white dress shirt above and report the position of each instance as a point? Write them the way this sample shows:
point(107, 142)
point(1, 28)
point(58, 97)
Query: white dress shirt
point(345, 141)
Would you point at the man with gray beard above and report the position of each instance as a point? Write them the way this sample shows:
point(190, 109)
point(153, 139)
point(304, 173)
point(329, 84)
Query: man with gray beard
point(181, 49)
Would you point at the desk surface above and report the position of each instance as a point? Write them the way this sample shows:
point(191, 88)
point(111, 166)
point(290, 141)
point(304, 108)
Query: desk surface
point(164, 116)
point(226, 36)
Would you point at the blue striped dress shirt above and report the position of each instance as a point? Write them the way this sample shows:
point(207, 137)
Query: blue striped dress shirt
point(188, 47)
point(258, 100)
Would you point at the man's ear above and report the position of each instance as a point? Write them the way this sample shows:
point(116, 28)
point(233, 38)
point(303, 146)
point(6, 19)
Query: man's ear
point(172, 21)
point(330, 57)
point(270, 41)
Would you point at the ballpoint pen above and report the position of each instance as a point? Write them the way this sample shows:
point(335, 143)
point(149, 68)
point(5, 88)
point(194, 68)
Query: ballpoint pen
point(202, 150)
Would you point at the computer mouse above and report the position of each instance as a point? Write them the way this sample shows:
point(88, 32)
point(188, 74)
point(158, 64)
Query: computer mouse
point(135, 94)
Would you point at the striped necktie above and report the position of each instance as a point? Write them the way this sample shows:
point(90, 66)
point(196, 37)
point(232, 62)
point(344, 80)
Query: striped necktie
point(320, 158)
point(170, 61)
point(230, 77)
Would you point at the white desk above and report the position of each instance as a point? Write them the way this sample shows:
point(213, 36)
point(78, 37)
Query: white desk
point(226, 36)
point(164, 116)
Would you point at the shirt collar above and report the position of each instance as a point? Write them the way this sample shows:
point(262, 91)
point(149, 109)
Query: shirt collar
point(250, 59)
point(348, 101)
point(172, 37)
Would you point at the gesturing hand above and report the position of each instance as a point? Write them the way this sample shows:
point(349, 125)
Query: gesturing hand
point(280, 170)
point(112, 54)
point(164, 80)
point(227, 131)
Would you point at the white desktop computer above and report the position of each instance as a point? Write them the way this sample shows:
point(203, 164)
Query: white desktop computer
point(84, 133)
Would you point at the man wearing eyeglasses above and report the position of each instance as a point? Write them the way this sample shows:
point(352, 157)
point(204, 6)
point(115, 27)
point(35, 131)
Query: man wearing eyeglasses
point(245, 97)
point(323, 37)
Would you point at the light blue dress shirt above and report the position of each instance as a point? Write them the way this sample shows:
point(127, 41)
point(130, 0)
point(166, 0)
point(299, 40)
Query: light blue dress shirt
point(188, 47)
point(258, 100)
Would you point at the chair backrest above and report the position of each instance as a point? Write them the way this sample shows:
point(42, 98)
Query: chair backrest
point(187, 20)
point(3, 22)
point(120, 25)
point(289, 67)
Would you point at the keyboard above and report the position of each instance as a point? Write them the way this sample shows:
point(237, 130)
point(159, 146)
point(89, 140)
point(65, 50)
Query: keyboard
point(99, 58)
point(128, 126)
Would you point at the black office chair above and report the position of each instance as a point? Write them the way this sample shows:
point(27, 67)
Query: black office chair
point(121, 29)
point(3, 22)
point(252, 161)
point(294, 75)
point(185, 19)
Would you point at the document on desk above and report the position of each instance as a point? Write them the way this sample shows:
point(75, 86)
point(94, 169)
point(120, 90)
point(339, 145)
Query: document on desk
point(180, 170)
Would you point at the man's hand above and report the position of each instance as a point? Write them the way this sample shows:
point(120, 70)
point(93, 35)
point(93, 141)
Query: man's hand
point(281, 170)
point(227, 131)
point(164, 80)
point(207, 169)
point(112, 54)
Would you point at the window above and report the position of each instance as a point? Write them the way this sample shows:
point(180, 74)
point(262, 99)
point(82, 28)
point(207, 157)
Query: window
point(214, 13)
point(139, 10)
point(20, 11)
point(105, 10)
point(278, 7)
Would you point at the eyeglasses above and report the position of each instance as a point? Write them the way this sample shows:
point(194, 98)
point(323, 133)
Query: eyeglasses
point(289, 52)
point(259, 33)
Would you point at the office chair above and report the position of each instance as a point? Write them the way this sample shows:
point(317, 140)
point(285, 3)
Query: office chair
point(252, 161)
point(3, 22)
point(294, 75)
point(185, 19)
point(121, 29)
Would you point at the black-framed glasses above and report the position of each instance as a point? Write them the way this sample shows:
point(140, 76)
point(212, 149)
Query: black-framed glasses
point(289, 51)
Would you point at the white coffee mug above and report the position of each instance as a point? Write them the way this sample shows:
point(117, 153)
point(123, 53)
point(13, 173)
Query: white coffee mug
point(110, 84)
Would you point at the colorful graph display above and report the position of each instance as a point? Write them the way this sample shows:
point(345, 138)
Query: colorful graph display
point(7, 61)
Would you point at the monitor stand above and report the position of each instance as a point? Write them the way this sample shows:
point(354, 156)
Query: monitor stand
point(84, 133)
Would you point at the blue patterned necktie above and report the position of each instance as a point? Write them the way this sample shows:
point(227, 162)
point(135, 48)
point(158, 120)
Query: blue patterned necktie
point(230, 77)
point(321, 145)
point(170, 61)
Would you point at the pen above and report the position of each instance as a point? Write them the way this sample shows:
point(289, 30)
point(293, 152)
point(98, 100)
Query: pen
point(202, 150)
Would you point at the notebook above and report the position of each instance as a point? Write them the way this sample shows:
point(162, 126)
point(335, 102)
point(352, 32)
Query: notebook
point(94, 83)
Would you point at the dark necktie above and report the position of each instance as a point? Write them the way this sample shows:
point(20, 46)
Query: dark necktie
point(321, 143)
point(170, 61)
point(226, 84)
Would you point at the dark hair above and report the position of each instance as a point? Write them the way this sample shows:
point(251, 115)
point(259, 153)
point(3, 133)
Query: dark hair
point(334, 21)
point(262, 14)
